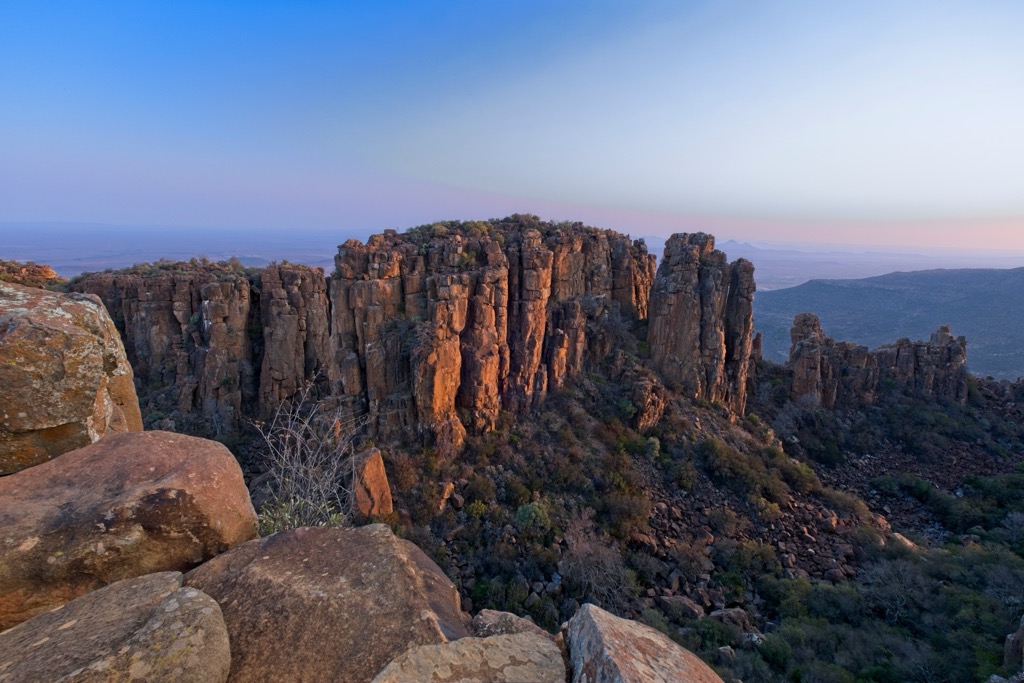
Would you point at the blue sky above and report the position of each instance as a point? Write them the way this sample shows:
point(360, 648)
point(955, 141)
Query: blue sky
point(868, 122)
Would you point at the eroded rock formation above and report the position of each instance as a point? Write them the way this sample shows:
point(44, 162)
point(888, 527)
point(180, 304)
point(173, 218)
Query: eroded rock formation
point(186, 334)
point(827, 372)
point(492, 316)
point(432, 332)
point(64, 381)
point(701, 320)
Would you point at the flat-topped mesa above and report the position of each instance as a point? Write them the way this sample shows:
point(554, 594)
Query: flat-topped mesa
point(438, 329)
point(432, 332)
point(827, 373)
point(701, 320)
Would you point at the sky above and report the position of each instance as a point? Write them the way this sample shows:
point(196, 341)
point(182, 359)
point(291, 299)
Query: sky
point(867, 123)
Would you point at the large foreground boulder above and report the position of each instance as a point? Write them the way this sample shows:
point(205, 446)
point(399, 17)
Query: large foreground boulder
point(128, 505)
point(64, 376)
point(509, 658)
point(338, 605)
point(605, 648)
point(146, 629)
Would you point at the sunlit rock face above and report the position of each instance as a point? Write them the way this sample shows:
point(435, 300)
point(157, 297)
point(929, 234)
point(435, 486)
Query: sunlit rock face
point(437, 330)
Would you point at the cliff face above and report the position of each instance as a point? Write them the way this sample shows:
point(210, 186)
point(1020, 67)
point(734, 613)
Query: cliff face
point(432, 332)
point(438, 330)
point(827, 372)
point(186, 336)
point(701, 320)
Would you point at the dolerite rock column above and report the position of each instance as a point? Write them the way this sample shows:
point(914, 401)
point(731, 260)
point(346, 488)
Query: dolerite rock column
point(701, 320)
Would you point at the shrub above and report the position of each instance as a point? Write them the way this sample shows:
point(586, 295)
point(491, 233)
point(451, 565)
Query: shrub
point(309, 457)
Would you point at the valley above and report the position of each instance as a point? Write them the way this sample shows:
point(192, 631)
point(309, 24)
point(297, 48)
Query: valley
point(562, 423)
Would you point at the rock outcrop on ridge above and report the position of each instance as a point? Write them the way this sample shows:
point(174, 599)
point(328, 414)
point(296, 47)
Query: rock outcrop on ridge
point(432, 332)
point(65, 379)
point(492, 316)
point(701, 320)
point(188, 332)
point(128, 505)
point(827, 372)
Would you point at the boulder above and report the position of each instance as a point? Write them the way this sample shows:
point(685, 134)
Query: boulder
point(145, 628)
point(604, 647)
point(328, 604)
point(371, 488)
point(1013, 649)
point(65, 377)
point(128, 505)
point(682, 606)
point(489, 622)
point(498, 659)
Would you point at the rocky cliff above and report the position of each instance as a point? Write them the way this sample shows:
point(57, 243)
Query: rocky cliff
point(437, 330)
point(701, 320)
point(432, 332)
point(827, 372)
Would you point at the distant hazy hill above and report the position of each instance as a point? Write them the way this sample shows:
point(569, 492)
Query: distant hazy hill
point(985, 305)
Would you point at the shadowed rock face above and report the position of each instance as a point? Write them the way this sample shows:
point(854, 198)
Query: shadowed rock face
point(186, 334)
point(64, 379)
point(701, 320)
point(827, 372)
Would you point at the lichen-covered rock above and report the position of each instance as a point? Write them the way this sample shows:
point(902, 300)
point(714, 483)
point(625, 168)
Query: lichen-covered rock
point(701, 320)
point(328, 604)
point(142, 629)
point(489, 622)
point(128, 505)
point(604, 648)
point(511, 658)
point(65, 379)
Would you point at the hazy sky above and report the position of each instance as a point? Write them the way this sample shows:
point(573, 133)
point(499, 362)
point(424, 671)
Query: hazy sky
point(894, 122)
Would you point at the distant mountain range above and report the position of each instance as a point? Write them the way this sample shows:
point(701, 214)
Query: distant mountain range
point(985, 305)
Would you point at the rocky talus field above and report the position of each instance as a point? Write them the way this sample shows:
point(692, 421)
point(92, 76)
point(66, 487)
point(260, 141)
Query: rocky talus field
point(504, 450)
